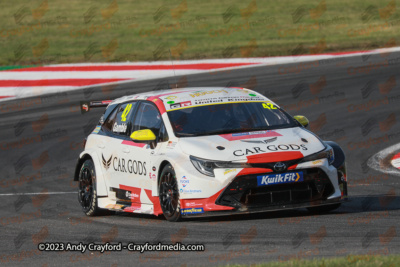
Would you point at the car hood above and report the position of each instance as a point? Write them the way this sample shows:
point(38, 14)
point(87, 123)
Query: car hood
point(254, 147)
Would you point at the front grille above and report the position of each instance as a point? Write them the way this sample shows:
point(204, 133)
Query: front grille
point(244, 194)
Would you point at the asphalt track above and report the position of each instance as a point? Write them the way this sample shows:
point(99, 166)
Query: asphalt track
point(345, 100)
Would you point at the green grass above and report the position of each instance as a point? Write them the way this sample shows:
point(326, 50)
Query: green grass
point(351, 260)
point(40, 32)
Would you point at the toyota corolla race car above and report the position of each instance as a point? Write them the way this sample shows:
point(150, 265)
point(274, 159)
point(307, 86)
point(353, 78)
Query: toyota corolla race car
point(205, 151)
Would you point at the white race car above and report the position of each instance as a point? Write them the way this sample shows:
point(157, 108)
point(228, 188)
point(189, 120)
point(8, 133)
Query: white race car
point(205, 151)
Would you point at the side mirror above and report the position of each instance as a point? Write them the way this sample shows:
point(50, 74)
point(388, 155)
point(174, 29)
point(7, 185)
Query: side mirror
point(303, 120)
point(143, 136)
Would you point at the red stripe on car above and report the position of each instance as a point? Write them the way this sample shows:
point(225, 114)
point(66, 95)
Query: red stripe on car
point(249, 135)
point(135, 197)
point(208, 204)
point(131, 143)
point(158, 102)
point(247, 171)
point(274, 157)
point(156, 202)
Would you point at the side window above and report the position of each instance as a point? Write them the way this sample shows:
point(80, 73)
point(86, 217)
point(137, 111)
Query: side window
point(118, 121)
point(148, 117)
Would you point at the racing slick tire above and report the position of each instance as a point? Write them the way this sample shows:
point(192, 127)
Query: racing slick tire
point(169, 195)
point(324, 209)
point(87, 194)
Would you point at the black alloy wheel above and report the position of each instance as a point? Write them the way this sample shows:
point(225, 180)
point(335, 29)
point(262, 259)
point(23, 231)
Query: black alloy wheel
point(169, 195)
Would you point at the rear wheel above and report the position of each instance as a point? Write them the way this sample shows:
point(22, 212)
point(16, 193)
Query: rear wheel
point(169, 195)
point(324, 209)
point(87, 194)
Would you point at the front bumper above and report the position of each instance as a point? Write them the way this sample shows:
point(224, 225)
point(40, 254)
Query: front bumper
point(267, 209)
point(243, 195)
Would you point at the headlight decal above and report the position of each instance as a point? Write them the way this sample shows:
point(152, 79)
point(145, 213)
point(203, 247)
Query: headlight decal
point(207, 167)
point(327, 153)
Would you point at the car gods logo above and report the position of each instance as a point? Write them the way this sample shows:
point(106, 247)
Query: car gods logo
point(123, 165)
point(256, 150)
point(106, 163)
point(266, 141)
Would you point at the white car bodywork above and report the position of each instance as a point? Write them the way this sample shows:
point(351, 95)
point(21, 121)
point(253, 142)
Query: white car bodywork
point(129, 172)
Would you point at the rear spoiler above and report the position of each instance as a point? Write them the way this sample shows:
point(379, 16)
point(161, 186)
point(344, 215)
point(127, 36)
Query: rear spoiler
point(87, 105)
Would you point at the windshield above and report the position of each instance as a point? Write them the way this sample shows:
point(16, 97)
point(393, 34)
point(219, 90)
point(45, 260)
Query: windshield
point(228, 118)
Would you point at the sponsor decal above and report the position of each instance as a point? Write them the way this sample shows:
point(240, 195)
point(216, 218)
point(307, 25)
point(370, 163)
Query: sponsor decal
point(181, 104)
point(129, 166)
point(131, 195)
point(184, 181)
point(291, 177)
point(128, 193)
point(96, 130)
point(266, 141)
point(256, 150)
point(192, 211)
point(171, 97)
point(152, 176)
point(114, 206)
point(315, 162)
point(192, 204)
point(106, 163)
point(85, 107)
point(229, 171)
point(131, 209)
point(203, 93)
point(171, 144)
point(119, 128)
point(189, 191)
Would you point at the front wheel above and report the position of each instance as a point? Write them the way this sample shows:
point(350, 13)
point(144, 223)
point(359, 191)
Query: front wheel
point(324, 209)
point(169, 195)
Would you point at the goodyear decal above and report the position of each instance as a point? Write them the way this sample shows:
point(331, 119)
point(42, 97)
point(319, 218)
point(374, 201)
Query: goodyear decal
point(282, 178)
point(192, 211)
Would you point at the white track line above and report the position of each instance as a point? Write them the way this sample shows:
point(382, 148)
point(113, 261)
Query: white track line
point(43, 193)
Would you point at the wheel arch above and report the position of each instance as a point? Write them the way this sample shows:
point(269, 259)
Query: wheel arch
point(340, 157)
point(79, 164)
point(101, 187)
point(157, 183)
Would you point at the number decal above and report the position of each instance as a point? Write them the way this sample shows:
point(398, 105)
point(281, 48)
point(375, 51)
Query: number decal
point(268, 105)
point(126, 112)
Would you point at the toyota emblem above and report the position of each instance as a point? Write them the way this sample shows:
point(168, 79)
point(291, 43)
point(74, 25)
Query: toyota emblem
point(280, 167)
